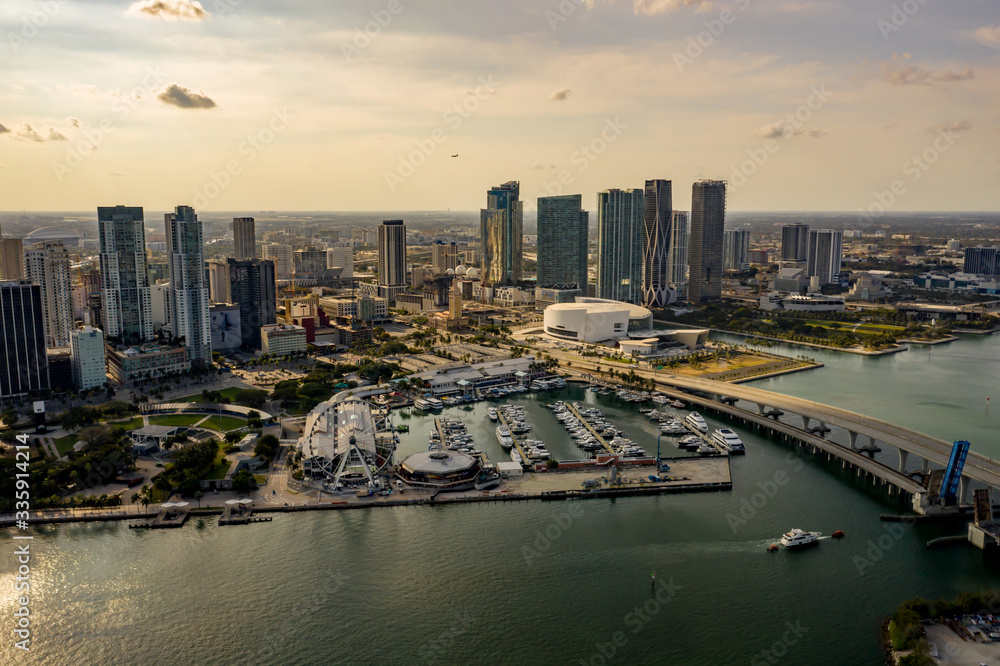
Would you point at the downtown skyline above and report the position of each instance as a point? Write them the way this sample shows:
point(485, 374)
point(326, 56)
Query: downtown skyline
point(296, 93)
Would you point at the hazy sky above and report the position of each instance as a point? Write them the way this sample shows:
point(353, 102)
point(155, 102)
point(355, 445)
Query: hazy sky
point(357, 105)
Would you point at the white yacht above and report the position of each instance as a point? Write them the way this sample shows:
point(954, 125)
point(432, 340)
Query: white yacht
point(695, 420)
point(492, 413)
point(796, 538)
point(503, 436)
point(729, 440)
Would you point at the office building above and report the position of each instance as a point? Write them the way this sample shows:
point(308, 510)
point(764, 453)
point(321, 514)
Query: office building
point(953, 245)
point(134, 366)
point(218, 281)
point(708, 222)
point(620, 232)
point(87, 357)
point(794, 242)
point(680, 233)
point(227, 333)
point(501, 234)
point(562, 243)
point(444, 256)
point(47, 265)
point(11, 263)
point(252, 288)
point(982, 261)
point(736, 250)
point(244, 238)
point(187, 311)
point(282, 257)
point(282, 339)
point(342, 259)
point(125, 298)
point(23, 365)
point(392, 253)
point(825, 255)
point(657, 219)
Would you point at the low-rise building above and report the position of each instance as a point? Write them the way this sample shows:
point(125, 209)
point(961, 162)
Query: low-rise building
point(282, 339)
point(796, 303)
point(132, 366)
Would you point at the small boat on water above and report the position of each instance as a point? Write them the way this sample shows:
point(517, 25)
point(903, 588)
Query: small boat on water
point(492, 413)
point(797, 538)
point(839, 534)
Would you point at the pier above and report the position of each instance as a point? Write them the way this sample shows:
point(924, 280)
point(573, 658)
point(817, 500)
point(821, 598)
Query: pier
point(525, 460)
point(575, 412)
point(704, 437)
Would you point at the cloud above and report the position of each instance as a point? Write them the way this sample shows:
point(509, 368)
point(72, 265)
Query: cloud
point(988, 36)
point(4, 130)
point(898, 73)
point(116, 173)
point(538, 167)
point(781, 129)
point(4, 166)
point(28, 132)
point(954, 126)
point(653, 7)
point(73, 121)
point(560, 95)
point(183, 98)
point(169, 10)
point(56, 136)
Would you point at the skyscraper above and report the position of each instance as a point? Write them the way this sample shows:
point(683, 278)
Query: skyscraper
point(443, 257)
point(87, 357)
point(11, 263)
point(678, 268)
point(218, 281)
point(282, 257)
point(187, 311)
point(341, 258)
point(794, 242)
point(392, 254)
point(502, 233)
point(982, 261)
point(620, 232)
point(47, 265)
point(736, 250)
point(657, 218)
point(708, 222)
point(125, 300)
point(23, 365)
point(825, 255)
point(252, 287)
point(562, 243)
point(244, 238)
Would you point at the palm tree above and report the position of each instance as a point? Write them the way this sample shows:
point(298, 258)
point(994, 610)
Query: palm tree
point(134, 499)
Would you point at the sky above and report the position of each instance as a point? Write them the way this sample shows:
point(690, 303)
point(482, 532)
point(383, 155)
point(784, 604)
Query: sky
point(359, 105)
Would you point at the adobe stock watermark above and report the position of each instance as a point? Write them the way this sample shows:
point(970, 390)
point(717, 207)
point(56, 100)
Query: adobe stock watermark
point(900, 16)
point(781, 647)
point(750, 507)
point(454, 117)
point(585, 155)
point(436, 648)
point(790, 125)
point(363, 35)
point(93, 137)
point(32, 24)
point(697, 44)
point(635, 621)
point(561, 521)
point(915, 168)
point(563, 11)
point(248, 150)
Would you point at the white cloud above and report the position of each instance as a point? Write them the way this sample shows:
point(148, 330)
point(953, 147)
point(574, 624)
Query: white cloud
point(28, 132)
point(653, 7)
point(988, 36)
point(169, 10)
point(899, 73)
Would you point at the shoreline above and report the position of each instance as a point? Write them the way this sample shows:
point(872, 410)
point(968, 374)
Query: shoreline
point(847, 350)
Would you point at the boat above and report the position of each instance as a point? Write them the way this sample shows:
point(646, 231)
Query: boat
point(772, 548)
point(503, 436)
point(695, 420)
point(677, 404)
point(797, 538)
point(515, 456)
point(492, 413)
point(729, 440)
point(690, 441)
point(839, 534)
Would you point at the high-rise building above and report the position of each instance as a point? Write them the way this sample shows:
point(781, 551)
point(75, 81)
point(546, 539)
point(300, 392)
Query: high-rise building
point(47, 265)
point(125, 300)
point(23, 365)
point(87, 355)
point(678, 268)
point(825, 255)
point(502, 235)
point(562, 243)
point(953, 245)
point(252, 287)
point(443, 257)
point(11, 263)
point(218, 281)
point(244, 238)
point(341, 258)
point(794, 242)
point(982, 261)
point(736, 250)
point(620, 232)
point(657, 218)
point(187, 312)
point(309, 263)
point(392, 253)
point(282, 257)
point(708, 222)
point(455, 303)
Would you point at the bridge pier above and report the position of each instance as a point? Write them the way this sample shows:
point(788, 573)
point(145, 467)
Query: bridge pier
point(761, 408)
point(854, 440)
point(964, 489)
point(903, 455)
point(805, 422)
point(925, 465)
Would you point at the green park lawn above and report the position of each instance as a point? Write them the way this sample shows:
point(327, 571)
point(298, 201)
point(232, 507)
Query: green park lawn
point(223, 423)
point(221, 467)
point(175, 419)
point(130, 424)
point(65, 444)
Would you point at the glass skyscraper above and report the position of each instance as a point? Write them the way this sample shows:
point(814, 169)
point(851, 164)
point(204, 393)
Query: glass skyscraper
point(562, 243)
point(502, 234)
point(619, 245)
point(125, 299)
point(708, 222)
point(657, 219)
point(187, 311)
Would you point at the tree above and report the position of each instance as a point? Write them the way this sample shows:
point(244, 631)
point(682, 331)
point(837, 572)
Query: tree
point(198, 495)
point(9, 418)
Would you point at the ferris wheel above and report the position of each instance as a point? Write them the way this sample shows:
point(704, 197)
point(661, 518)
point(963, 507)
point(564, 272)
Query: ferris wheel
point(342, 440)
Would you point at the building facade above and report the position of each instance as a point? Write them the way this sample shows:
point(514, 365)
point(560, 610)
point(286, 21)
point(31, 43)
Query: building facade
point(252, 288)
point(87, 355)
point(392, 253)
point(23, 365)
point(658, 217)
point(282, 339)
point(11, 263)
point(736, 250)
point(982, 261)
point(218, 281)
point(282, 257)
point(563, 238)
point(620, 232)
point(125, 298)
point(135, 366)
point(188, 307)
point(502, 235)
point(680, 236)
point(825, 255)
point(708, 222)
point(341, 258)
point(443, 257)
point(47, 265)
point(244, 238)
point(794, 242)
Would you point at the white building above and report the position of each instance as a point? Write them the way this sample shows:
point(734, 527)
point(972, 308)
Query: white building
point(87, 356)
point(595, 320)
point(282, 256)
point(187, 311)
point(341, 257)
point(159, 297)
point(47, 265)
point(282, 339)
